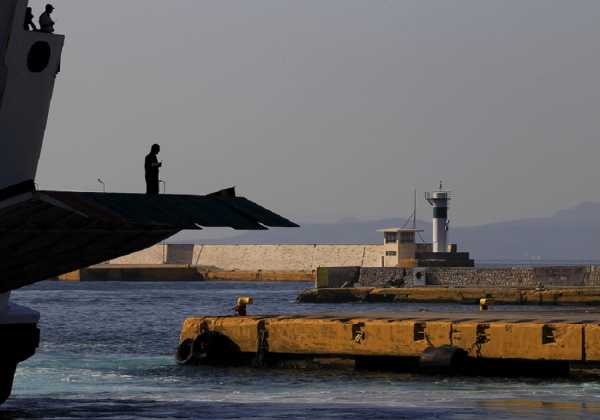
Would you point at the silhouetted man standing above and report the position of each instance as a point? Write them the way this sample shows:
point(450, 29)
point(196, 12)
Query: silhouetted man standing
point(46, 22)
point(152, 166)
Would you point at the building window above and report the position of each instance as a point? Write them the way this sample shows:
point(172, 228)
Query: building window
point(390, 253)
point(390, 237)
point(407, 237)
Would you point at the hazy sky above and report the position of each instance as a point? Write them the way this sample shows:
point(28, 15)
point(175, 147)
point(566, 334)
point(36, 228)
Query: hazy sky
point(333, 108)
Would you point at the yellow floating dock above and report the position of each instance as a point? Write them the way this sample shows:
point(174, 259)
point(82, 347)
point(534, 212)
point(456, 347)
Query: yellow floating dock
point(517, 340)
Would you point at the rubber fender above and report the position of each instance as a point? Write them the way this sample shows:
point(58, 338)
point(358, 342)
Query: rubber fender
point(208, 348)
point(445, 357)
point(205, 346)
point(212, 347)
point(184, 354)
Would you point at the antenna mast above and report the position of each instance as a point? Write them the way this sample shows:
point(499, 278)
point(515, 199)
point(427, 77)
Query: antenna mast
point(415, 211)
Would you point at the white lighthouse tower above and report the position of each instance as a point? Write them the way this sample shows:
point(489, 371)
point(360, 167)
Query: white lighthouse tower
point(439, 200)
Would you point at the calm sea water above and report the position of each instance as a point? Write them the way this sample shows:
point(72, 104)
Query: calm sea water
point(107, 352)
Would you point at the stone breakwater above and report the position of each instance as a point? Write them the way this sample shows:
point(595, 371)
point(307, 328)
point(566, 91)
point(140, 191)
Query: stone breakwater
point(509, 277)
point(355, 266)
point(258, 257)
point(527, 277)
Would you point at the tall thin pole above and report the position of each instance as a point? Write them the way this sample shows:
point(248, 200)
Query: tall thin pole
point(415, 212)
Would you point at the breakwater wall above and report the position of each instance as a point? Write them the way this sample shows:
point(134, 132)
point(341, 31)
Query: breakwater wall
point(509, 277)
point(258, 257)
point(174, 272)
point(350, 266)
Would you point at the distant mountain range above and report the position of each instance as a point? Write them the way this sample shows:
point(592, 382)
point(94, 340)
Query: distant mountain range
point(571, 234)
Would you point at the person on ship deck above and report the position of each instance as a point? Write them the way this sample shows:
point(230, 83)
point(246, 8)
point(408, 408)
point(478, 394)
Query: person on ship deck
point(29, 25)
point(46, 22)
point(152, 166)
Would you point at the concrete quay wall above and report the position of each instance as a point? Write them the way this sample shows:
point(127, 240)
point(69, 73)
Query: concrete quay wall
point(465, 296)
point(175, 272)
point(258, 257)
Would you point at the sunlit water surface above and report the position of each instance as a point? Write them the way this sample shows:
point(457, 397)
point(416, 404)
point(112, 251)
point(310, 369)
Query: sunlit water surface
point(107, 352)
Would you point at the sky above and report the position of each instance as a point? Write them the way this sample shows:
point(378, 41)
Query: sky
point(328, 109)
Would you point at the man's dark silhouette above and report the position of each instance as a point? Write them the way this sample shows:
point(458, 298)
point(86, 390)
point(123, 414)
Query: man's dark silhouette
point(29, 25)
point(46, 22)
point(151, 165)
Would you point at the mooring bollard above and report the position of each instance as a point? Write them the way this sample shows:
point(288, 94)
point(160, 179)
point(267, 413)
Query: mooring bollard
point(483, 304)
point(241, 304)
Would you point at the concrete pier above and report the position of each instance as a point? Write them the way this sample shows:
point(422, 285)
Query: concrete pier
point(114, 272)
point(551, 341)
point(180, 272)
point(496, 296)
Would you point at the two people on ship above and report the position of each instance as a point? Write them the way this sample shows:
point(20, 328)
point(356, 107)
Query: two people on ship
point(46, 22)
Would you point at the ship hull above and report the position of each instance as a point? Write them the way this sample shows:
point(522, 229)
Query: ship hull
point(19, 339)
point(47, 233)
point(19, 343)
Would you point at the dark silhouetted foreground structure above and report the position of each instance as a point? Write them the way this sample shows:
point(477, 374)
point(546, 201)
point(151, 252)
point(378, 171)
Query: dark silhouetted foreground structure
point(45, 234)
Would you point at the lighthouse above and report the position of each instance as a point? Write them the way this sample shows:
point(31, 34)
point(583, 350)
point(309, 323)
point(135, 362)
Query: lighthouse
point(439, 201)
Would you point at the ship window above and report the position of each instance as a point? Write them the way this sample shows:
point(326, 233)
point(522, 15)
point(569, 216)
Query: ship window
point(38, 57)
